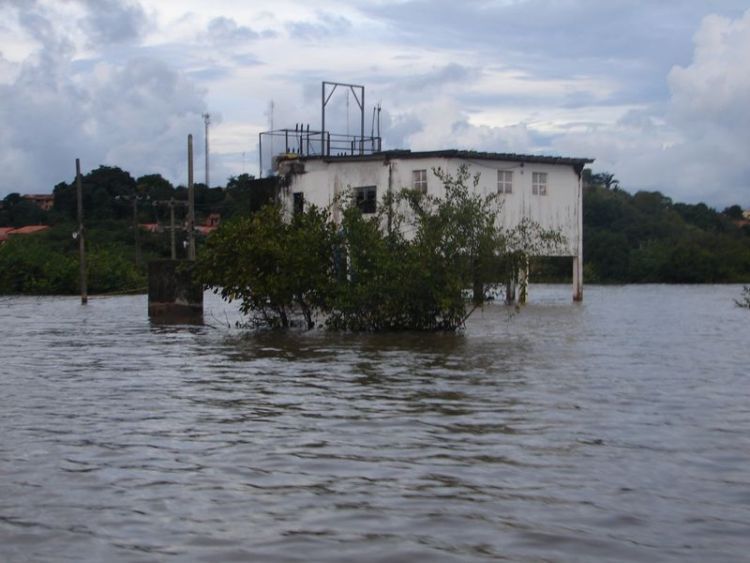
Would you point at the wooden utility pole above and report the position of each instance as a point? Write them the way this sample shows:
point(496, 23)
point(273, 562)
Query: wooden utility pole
point(171, 203)
point(171, 229)
point(191, 202)
point(135, 232)
point(81, 243)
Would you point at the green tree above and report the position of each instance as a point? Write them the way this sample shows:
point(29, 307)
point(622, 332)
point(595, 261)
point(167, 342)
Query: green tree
point(272, 266)
point(364, 274)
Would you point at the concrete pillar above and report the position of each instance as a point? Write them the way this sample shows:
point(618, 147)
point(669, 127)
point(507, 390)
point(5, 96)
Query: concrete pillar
point(577, 278)
point(523, 283)
point(510, 291)
point(174, 297)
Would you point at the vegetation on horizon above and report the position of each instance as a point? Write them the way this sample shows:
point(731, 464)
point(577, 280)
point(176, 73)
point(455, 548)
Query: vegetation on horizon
point(628, 238)
point(47, 262)
point(647, 238)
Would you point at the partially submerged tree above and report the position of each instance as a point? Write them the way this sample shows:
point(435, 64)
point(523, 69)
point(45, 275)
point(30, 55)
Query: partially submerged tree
point(275, 268)
point(410, 267)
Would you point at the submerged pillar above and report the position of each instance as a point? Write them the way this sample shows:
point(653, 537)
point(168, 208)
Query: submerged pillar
point(510, 290)
point(174, 296)
point(577, 278)
point(523, 283)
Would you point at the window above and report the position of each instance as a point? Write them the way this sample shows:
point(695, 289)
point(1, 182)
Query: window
point(366, 197)
point(419, 180)
point(539, 183)
point(298, 204)
point(504, 182)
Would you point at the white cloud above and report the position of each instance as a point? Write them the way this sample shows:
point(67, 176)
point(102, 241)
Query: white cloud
point(127, 82)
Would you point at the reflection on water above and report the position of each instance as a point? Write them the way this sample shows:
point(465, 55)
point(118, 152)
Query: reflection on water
point(618, 429)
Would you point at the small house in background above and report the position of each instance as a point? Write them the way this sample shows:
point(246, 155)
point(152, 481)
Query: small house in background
point(211, 224)
point(45, 202)
point(151, 227)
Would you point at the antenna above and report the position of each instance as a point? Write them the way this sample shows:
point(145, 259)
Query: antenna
point(270, 123)
point(207, 121)
point(379, 108)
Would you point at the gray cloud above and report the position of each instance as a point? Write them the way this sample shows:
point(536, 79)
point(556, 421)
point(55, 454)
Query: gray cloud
point(135, 115)
point(227, 31)
point(326, 25)
point(114, 21)
point(635, 40)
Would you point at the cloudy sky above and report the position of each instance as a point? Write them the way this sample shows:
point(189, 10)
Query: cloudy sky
point(657, 92)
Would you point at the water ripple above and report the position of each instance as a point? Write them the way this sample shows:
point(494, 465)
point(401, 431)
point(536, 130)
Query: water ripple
point(618, 430)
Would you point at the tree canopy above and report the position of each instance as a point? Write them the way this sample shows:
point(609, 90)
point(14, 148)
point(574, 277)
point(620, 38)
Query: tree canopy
point(646, 237)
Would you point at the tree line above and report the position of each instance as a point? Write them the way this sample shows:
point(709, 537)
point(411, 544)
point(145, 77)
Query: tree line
point(647, 238)
point(628, 238)
point(47, 263)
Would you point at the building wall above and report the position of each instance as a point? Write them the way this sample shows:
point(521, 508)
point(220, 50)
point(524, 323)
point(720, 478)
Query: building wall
point(559, 209)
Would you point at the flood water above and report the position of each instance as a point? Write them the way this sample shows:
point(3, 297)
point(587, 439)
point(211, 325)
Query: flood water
point(617, 429)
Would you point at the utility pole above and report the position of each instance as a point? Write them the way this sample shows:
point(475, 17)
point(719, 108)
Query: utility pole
point(81, 244)
point(191, 202)
point(172, 203)
point(171, 229)
point(206, 122)
point(135, 232)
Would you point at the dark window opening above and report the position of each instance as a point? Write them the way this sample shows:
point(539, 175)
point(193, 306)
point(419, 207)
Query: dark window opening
point(298, 203)
point(366, 198)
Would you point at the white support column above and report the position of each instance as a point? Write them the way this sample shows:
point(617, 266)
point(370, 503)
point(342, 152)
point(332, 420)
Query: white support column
point(577, 278)
point(578, 258)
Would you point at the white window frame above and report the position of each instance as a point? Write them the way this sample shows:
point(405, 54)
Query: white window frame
point(419, 180)
point(539, 182)
point(505, 181)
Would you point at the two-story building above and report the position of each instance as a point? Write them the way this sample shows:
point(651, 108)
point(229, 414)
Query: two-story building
point(544, 189)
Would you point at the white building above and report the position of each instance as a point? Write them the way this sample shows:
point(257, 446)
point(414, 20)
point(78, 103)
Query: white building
point(545, 189)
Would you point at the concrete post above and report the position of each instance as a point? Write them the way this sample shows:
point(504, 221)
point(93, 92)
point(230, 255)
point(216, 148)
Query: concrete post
point(577, 279)
point(523, 283)
point(578, 258)
point(174, 297)
point(510, 290)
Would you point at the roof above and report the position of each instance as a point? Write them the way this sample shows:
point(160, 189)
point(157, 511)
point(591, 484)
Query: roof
point(39, 196)
point(455, 153)
point(28, 230)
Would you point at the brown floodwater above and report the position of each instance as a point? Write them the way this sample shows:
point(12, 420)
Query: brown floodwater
point(617, 429)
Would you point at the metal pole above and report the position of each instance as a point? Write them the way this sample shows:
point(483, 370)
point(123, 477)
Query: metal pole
point(260, 154)
point(81, 245)
point(362, 124)
point(322, 119)
point(171, 229)
point(191, 202)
